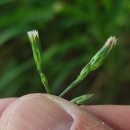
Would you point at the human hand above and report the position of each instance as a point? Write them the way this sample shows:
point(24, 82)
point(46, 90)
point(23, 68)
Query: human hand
point(47, 112)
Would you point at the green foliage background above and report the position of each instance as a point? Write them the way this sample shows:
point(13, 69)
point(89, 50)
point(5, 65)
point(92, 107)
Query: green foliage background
point(70, 32)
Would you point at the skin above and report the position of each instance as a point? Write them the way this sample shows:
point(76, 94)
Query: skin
point(47, 112)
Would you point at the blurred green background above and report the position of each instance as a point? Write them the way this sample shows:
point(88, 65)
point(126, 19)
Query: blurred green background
point(71, 31)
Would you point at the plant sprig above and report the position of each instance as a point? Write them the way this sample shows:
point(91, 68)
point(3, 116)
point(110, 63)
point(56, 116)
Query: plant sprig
point(93, 64)
point(37, 54)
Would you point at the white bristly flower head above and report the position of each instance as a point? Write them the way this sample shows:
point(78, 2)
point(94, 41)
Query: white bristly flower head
point(33, 36)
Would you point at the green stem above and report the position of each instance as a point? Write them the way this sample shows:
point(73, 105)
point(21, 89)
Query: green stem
point(45, 82)
point(78, 80)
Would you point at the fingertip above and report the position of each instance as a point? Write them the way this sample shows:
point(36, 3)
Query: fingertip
point(43, 111)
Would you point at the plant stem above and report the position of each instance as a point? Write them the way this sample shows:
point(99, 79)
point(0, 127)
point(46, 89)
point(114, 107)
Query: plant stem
point(45, 82)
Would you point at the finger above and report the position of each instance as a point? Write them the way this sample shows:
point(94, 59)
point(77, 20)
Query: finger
point(4, 103)
point(116, 116)
point(47, 112)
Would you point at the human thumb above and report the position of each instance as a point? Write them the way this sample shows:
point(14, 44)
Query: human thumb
point(47, 112)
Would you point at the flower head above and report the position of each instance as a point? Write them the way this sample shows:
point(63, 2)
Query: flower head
point(33, 36)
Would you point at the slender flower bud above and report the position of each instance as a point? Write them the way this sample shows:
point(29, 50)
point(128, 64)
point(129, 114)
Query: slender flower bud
point(99, 57)
point(37, 53)
point(36, 48)
point(94, 63)
point(97, 60)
